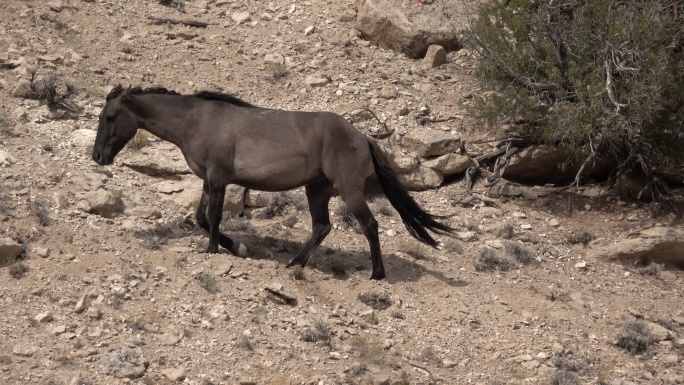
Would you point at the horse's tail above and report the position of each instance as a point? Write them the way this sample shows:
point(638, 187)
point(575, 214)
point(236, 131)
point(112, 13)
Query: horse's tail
point(415, 218)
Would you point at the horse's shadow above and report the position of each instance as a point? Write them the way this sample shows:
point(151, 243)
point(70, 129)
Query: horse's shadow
point(340, 264)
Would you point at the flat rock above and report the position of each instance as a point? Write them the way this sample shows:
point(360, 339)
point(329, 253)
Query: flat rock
point(241, 17)
point(234, 202)
point(174, 374)
point(27, 350)
point(449, 164)
point(663, 245)
point(125, 362)
point(168, 187)
point(428, 143)
point(316, 81)
point(155, 166)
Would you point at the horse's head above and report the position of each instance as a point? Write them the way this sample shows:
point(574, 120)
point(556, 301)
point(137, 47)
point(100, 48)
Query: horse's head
point(117, 126)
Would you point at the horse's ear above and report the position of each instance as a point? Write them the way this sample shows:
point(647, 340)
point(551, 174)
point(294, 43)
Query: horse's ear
point(126, 93)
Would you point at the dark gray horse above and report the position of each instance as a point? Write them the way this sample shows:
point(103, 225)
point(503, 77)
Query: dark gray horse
point(228, 141)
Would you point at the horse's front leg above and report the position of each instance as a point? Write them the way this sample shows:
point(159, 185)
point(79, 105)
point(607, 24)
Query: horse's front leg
point(214, 213)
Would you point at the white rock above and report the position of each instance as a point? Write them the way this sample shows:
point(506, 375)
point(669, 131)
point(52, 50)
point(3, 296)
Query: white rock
point(241, 17)
point(309, 30)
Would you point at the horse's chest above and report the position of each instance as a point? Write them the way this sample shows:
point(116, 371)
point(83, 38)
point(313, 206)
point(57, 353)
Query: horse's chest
point(196, 168)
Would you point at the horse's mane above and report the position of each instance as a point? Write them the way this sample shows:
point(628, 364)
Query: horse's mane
point(210, 95)
point(207, 95)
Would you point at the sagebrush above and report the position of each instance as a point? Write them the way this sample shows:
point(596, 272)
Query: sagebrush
point(599, 78)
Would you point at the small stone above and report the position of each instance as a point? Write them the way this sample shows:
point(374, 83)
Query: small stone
point(660, 333)
point(170, 339)
point(174, 374)
point(25, 350)
point(526, 226)
point(81, 305)
point(557, 349)
point(224, 269)
point(449, 363)
point(43, 252)
point(241, 17)
point(553, 222)
point(43, 317)
point(57, 330)
point(94, 313)
point(309, 30)
point(9, 249)
point(581, 265)
point(316, 81)
point(169, 187)
point(671, 359)
point(467, 236)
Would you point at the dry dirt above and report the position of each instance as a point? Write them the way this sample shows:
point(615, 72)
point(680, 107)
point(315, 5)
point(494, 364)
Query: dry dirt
point(130, 296)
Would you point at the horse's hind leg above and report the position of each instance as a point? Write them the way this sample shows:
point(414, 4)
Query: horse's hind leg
point(318, 195)
point(203, 222)
point(358, 206)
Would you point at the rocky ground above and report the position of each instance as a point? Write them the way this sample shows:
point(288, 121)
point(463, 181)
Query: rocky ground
point(111, 286)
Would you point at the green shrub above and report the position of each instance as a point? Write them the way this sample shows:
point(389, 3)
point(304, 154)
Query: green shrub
point(599, 78)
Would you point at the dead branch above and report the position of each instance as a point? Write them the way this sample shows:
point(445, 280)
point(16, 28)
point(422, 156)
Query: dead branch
point(482, 198)
point(164, 20)
point(609, 87)
point(500, 165)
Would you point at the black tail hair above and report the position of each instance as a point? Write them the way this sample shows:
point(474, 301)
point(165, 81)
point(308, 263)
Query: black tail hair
point(415, 218)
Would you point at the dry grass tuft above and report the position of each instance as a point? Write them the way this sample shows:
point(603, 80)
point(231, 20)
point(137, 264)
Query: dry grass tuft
point(377, 301)
point(298, 273)
point(414, 248)
point(635, 337)
point(139, 140)
point(489, 260)
point(563, 377)
point(208, 282)
point(653, 269)
point(18, 270)
point(276, 70)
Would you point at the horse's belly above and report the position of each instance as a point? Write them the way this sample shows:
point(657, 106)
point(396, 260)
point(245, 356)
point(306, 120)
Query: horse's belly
point(284, 174)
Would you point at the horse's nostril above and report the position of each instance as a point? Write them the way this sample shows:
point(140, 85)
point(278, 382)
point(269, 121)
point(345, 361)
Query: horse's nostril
point(98, 157)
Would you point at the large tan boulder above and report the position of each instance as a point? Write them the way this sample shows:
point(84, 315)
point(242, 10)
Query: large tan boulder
point(411, 26)
point(663, 245)
point(546, 164)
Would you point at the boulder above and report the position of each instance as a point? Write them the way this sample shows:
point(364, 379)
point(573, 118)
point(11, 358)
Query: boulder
point(435, 56)
point(156, 166)
point(663, 245)
point(103, 203)
point(422, 178)
point(546, 164)
point(9, 250)
point(234, 203)
point(411, 27)
point(426, 143)
point(449, 164)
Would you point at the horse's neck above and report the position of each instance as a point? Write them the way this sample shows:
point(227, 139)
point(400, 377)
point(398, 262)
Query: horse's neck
point(162, 119)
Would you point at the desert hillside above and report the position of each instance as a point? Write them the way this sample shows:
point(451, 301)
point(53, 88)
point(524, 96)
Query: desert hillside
point(104, 279)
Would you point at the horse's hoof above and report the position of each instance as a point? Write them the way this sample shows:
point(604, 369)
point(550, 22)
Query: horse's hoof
point(378, 276)
point(295, 262)
point(211, 250)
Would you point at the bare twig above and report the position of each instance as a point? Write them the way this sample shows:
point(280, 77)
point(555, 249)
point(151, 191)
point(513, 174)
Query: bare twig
point(609, 87)
point(164, 20)
point(500, 165)
point(480, 197)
